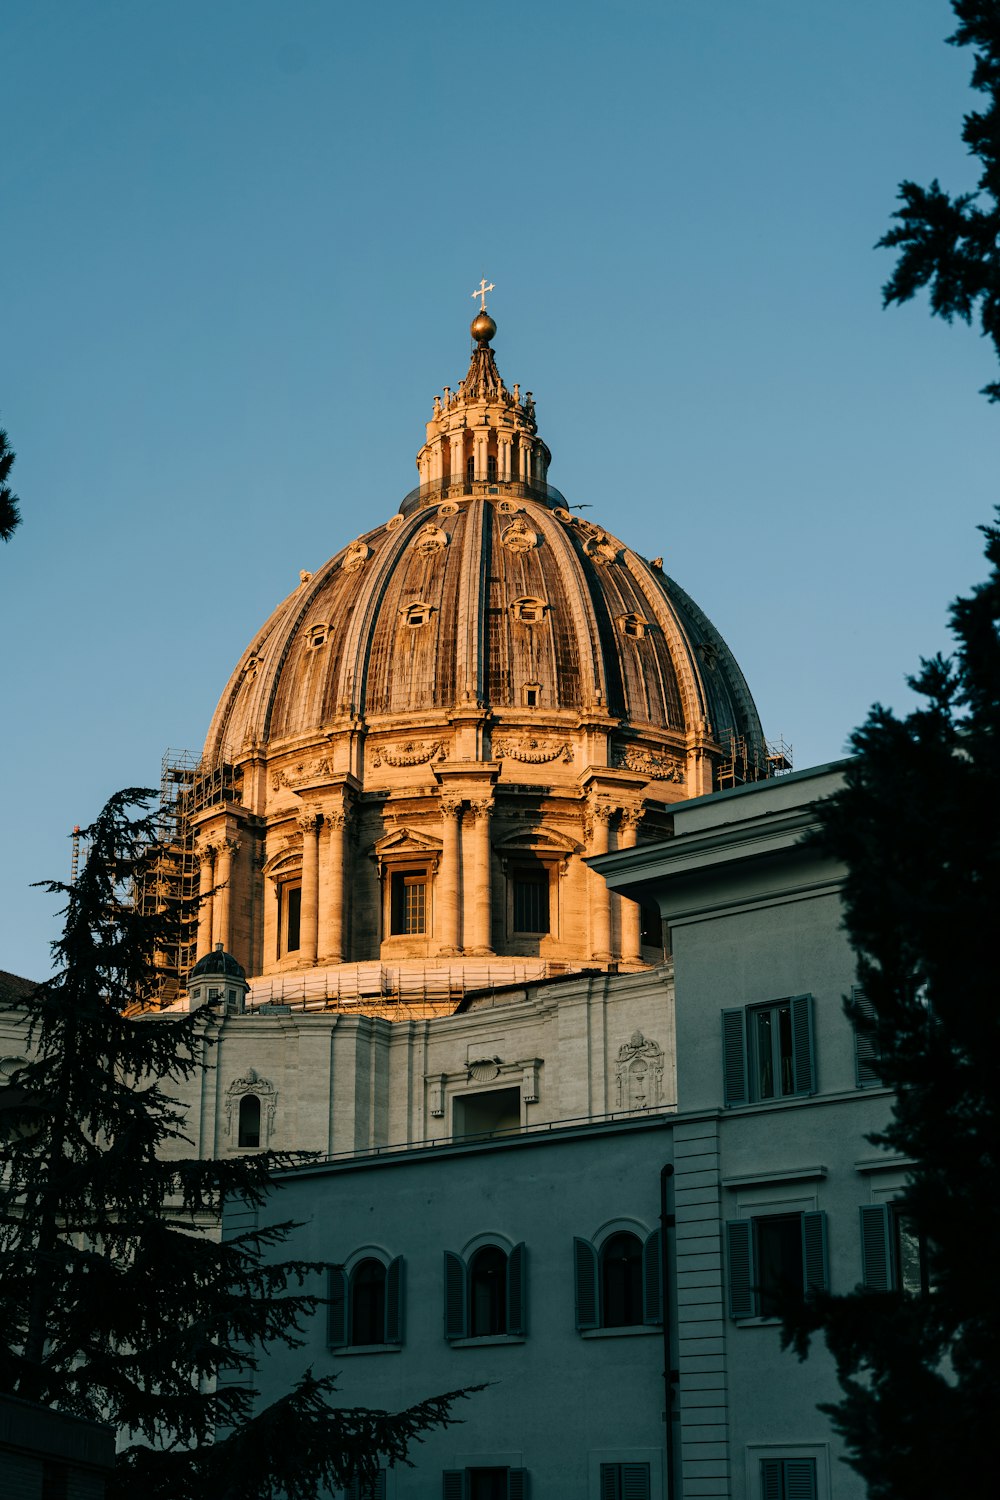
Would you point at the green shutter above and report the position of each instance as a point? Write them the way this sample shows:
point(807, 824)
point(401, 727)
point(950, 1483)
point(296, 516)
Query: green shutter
point(800, 1479)
point(876, 1248)
point(517, 1484)
point(739, 1242)
point(734, 1058)
point(353, 1490)
point(394, 1301)
point(814, 1258)
point(803, 1056)
point(611, 1488)
point(635, 1481)
point(453, 1484)
point(866, 1050)
point(336, 1314)
point(652, 1278)
point(515, 1290)
point(454, 1297)
point(770, 1479)
point(585, 1284)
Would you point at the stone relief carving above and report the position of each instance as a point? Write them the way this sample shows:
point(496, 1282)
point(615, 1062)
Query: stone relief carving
point(250, 667)
point(519, 537)
point(430, 539)
point(640, 1073)
point(355, 557)
point(656, 767)
point(600, 548)
point(251, 1083)
point(532, 751)
point(300, 774)
point(394, 522)
point(410, 753)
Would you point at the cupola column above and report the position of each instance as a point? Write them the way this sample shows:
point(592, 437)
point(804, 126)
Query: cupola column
point(330, 941)
point(503, 456)
point(449, 882)
point(599, 815)
point(309, 823)
point(631, 926)
point(206, 861)
point(476, 870)
point(457, 457)
point(481, 439)
point(222, 904)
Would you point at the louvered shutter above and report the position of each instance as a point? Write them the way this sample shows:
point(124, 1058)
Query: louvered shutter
point(803, 1056)
point(876, 1248)
point(635, 1481)
point(394, 1301)
point(517, 1484)
point(734, 1058)
point(770, 1478)
point(454, 1297)
point(814, 1259)
point(610, 1486)
point(739, 1242)
point(800, 1479)
point(516, 1290)
point(453, 1484)
point(585, 1284)
point(378, 1486)
point(336, 1313)
point(866, 1051)
point(652, 1278)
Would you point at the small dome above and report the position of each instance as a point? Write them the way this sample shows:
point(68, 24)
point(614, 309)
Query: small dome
point(216, 963)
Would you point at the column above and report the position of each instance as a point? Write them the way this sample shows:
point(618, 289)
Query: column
point(476, 880)
point(458, 458)
point(481, 441)
point(331, 917)
point(503, 456)
point(222, 904)
point(309, 823)
point(631, 928)
point(206, 860)
point(448, 917)
point(600, 896)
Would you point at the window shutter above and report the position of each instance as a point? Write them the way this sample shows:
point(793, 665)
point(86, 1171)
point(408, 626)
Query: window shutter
point(453, 1482)
point(876, 1248)
point(454, 1298)
point(652, 1278)
point(610, 1488)
point(734, 1058)
point(378, 1486)
point(517, 1484)
point(800, 1479)
point(353, 1490)
point(803, 1056)
point(336, 1313)
point(635, 1481)
point(866, 1052)
point(770, 1478)
point(515, 1290)
point(585, 1284)
point(739, 1242)
point(814, 1261)
point(394, 1301)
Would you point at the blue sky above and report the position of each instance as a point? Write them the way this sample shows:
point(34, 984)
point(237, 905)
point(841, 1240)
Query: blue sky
point(239, 241)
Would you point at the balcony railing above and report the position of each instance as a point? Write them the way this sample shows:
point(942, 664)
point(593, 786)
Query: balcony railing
point(454, 488)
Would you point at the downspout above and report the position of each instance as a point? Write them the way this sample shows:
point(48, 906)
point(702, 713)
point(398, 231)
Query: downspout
point(669, 1376)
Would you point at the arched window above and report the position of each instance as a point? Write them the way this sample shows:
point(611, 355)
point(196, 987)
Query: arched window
point(621, 1281)
point(491, 466)
point(470, 468)
point(487, 1292)
point(249, 1135)
point(367, 1315)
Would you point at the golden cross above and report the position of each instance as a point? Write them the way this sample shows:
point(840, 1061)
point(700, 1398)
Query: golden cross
point(481, 291)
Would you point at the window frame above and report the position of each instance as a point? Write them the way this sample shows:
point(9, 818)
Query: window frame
point(588, 1280)
point(340, 1332)
point(882, 1227)
point(739, 1084)
point(399, 876)
point(745, 1293)
point(458, 1311)
point(241, 1144)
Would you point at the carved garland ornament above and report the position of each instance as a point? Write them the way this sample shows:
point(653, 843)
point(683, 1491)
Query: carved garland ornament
point(430, 539)
point(300, 774)
point(355, 557)
point(640, 1073)
point(656, 767)
point(531, 751)
point(519, 537)
point(411, 753)
point(252, 1083)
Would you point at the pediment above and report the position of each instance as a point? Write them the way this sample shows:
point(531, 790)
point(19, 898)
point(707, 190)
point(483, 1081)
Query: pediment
point(538, 841)
point(407, 841)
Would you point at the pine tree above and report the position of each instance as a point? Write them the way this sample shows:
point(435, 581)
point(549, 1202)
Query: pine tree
point(10, 514)
point(115, 1304)
point(949, 244)
point(916, 825)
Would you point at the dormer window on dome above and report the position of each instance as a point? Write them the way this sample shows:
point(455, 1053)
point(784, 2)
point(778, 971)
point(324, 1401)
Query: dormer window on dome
point(634, 625)
point(528, 610)
point(417, 614)
point(317, 636)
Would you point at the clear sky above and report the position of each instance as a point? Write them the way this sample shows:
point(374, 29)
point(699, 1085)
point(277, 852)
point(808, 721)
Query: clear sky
point(239, 238)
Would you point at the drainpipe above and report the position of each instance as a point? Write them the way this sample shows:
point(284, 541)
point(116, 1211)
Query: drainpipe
point(670, 1377)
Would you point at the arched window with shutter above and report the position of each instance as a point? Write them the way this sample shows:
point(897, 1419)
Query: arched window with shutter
point(249, 1127)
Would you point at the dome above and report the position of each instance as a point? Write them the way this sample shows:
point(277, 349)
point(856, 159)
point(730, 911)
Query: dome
point(427, 739)
point(216, 963)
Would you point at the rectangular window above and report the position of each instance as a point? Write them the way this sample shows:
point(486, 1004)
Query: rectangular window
point(291, 917)
point(767, 1051)
point(531, 899)
point(488, 1112)
point(367, 1489)
point(485, 1484)
point(893, 1254)
point(788, 1479)
point(408, 903)
point(774, 1257)
point(624, 1481)
point(867, 1057)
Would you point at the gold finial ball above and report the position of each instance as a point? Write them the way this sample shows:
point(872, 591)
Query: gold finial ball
point(482, 327)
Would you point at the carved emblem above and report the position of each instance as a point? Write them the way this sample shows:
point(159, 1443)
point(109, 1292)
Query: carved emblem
point(600, 548)
point(355, 557)
point(300, 774)
point(640, 1073)
point(430, 539)
point(411, 753)
point(519, 537)
point(251, 1083)
point(250, 667)
point(656, 767)
point(531, 751)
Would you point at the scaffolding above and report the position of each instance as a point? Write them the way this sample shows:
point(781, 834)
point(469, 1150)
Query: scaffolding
point(746, 760)
point(171, 881)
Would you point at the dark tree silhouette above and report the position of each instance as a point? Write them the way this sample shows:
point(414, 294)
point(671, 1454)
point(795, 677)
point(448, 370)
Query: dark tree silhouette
point(10, 513)
point(916, 825)
point(950, 244)
point(114, 1303)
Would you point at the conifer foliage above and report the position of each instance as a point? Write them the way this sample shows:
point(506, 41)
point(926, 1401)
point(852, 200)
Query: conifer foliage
point(916, 824)
point(115, 1303)
point(10, 514)
point(949, 244)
